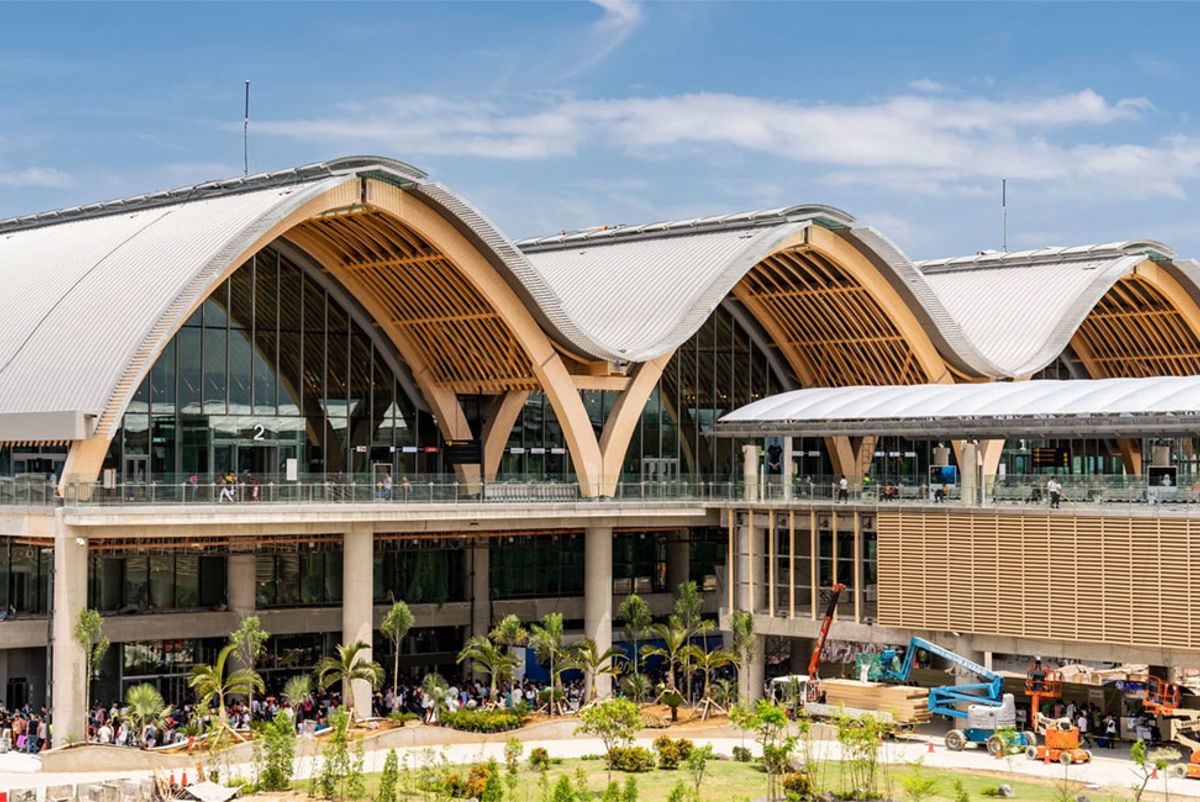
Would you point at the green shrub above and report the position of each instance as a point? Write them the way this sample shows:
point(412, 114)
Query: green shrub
point(563, 792)
point(680, 793)
point(613, 792)
point(402, 717)
point(386, 792)
point(798, 785)
point(960, 792)
point(671, 752)
point(482, 720)
point(991, 790)
point(278, 752)
point(630, 794)
point(476, 781)
point(742, 755)
point(539, 759)
point(492, 790)
point(631, 759)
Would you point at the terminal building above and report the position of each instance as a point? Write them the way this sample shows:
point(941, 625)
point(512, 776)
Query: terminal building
point(307, 393)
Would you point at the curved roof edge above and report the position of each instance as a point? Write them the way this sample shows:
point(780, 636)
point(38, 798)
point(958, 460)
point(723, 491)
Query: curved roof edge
point(366, 166)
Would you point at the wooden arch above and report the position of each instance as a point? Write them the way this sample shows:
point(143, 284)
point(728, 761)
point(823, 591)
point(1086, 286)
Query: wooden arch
point(454, 320)
point(838, 322)
point(1147, 324)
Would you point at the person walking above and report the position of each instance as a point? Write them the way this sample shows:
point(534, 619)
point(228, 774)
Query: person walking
point(1054, 489)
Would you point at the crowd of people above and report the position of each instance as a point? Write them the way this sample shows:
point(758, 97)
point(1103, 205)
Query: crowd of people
point(24, 728)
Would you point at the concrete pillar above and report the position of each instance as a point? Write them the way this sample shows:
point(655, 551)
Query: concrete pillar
point(789, 470)
point(358, 604)
point(69, 668)
point(750, 472)
point(598, 595)
point(751, 595)
point(679, 554)
point(481, 592)
point(969, 471)
point(240, 582)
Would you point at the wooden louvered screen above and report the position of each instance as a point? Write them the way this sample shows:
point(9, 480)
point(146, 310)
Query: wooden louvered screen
point(1087, 578)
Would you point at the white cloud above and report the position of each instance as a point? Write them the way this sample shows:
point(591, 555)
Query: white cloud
point(934, 145)
point(928, 85)
point(621, 18)
point(35, 177)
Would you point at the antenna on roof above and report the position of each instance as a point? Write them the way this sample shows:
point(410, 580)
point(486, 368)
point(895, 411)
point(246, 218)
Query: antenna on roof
point(246, 133)
point(1003, 213)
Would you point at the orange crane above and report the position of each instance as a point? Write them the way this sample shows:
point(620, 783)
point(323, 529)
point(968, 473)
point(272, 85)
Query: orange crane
point(1162, 700)
point(814, 664)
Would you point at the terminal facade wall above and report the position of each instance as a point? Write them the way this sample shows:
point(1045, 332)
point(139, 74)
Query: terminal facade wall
point(1118, 579)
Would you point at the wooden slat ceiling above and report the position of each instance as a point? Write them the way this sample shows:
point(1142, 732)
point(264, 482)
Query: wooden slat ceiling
point(463, 340)
point(831, 322)
point(1136, 331)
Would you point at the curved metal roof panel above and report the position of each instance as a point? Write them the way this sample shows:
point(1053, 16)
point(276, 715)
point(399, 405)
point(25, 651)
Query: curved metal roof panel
point(82, 296)
point(637, 297)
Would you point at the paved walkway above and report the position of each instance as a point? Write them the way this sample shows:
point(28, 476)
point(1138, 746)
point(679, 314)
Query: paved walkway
point(21, 771)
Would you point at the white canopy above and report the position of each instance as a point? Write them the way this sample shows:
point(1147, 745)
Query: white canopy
point(1085, 408)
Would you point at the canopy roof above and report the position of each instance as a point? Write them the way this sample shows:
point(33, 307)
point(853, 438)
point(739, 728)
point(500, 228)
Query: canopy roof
point(1076, 408)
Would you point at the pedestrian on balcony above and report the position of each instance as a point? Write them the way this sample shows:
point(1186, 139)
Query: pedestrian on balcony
point(1054, 489)
point(843, 493)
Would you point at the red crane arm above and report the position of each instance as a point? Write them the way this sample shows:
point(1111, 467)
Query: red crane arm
point(814, 664)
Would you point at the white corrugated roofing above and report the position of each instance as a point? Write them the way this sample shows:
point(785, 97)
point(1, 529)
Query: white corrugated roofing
point(1082, 397)
point(1020, 310)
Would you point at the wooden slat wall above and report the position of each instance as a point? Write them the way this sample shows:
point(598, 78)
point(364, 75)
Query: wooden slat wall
point(1082, 578)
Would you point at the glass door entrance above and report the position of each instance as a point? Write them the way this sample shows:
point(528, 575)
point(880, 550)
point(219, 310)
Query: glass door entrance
point(264, 461)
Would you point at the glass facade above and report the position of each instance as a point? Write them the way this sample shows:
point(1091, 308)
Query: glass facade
point(271, 368)
point(717, 370)
point(24, 580)
point(310, 575)
point(537, 565)
point(639, 562)
point(706, 550)
point(420, 571)
point(136, 582)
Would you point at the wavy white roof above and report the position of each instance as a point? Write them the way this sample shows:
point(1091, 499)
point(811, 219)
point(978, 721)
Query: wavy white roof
point(92, 292)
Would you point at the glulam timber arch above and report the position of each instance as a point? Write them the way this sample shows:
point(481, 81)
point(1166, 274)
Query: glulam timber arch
point(1146, 324)
point(838, 322)
point(454, 320)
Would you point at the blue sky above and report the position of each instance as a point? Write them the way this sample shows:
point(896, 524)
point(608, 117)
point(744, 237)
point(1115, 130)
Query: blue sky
point(556, 115)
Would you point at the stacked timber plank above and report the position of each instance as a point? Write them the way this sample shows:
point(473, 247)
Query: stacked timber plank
point(906, 703)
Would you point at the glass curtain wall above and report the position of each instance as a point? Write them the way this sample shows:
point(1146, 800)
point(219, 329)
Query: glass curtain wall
point(718, 369)
point(272, 368)
point(24, 578)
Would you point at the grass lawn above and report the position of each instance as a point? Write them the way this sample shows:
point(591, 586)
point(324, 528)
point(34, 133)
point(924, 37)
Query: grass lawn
point(727, 781)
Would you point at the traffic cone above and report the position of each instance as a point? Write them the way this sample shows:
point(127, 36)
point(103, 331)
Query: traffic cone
point(183, 782)
point(931, 746)
point(172, 782)
point(1154, 773)
point(1046, 756)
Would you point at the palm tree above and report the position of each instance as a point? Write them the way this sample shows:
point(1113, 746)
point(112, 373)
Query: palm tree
point(636, 614)
point(587, 655)
point(349, 666)
point(486, 657)
point(709, 663)
point(297, 690)
point(547, 642)
point(509, 633)
point(146, 706)
point(212, 683)
point(741, 624)
point(437, 691)
point(395, 627)
point(674, 637)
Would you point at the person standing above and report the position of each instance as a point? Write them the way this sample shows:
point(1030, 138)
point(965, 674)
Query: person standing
point(843, 489)
point(1082, 723)
point(1054, 489)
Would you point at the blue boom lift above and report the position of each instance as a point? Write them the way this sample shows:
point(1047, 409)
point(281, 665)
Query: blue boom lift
point(988, 708)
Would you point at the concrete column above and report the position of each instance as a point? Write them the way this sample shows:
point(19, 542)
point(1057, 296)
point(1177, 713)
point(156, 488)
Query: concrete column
point(679, 552)
point(969, 471)
point(481, 592)
point(69, 668)
point(750, 472)
point(598, 594)
point(789, 470)
point(240, 582)
point(358, 583)
point(1160, 456)
point(751, 595)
